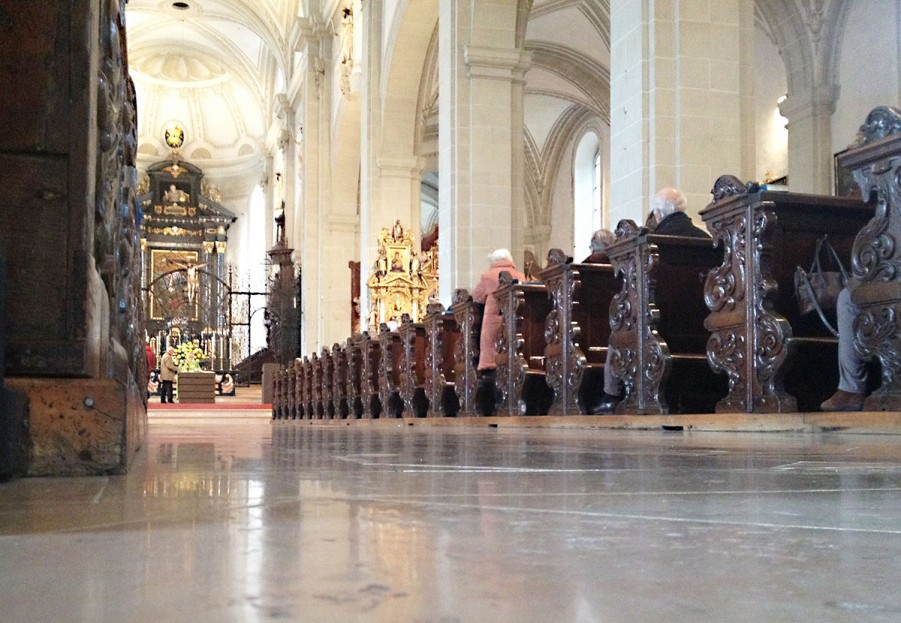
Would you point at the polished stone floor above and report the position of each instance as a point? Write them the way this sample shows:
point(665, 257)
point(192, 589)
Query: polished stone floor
point(230, 519)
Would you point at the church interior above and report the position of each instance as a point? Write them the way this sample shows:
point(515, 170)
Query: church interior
point(283, 216)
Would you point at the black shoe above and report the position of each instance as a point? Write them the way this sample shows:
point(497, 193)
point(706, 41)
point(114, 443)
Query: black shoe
point(605, 405)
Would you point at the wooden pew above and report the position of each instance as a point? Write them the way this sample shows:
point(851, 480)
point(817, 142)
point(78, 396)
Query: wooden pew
point(277, 394)
point(297, 399)
point(370, 360)
point(354, 357)
point(327, 379)
point(577, 330)
point(413, 340)
point(876, 259)
point(315, 387)
point(442, 339)
point(468, 316)
point(339, 381)
point(392, 353)
point(756, 329)
point(289, 379)
point(520, 348)
point(658, 336)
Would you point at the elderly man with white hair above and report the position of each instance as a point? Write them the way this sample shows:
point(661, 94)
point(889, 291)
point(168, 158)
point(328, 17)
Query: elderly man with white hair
point(669, 206)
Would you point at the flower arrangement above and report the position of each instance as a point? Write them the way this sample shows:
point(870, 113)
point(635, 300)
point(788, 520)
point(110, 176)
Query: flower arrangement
point(189, 355)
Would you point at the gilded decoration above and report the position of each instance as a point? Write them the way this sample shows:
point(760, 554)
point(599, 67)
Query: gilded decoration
point(402, 280)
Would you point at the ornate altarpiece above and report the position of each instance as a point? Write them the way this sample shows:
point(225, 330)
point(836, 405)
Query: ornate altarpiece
point(402, 280)
point(184, 235)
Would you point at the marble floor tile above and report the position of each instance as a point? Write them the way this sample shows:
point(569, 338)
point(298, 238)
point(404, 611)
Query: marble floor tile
point(233, 520)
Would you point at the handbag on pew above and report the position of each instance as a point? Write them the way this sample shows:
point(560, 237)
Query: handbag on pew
point(817, 289)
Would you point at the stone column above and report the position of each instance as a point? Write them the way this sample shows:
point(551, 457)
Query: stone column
point(307, 219)
point(809, 115)
point(681, 99)
point(480, 103)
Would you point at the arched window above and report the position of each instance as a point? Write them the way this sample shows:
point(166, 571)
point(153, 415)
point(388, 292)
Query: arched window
point(587, 193)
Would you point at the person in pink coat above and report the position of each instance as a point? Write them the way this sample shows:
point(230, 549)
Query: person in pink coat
point(500, 260)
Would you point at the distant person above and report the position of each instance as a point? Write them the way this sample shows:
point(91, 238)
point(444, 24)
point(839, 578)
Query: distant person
point(168, 373)
point(151, 365)
point(668, 208)
point(600, 240)
point(499, 260)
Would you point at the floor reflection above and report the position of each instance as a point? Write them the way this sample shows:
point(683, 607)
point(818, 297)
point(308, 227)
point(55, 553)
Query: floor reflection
point(231, 520)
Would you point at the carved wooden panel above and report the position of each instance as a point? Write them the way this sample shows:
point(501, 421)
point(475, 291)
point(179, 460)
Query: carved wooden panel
point(369, 379)
point(298, 389)
point(441, 329)
point(520, 342)
point(309, 412)
point(413, 363)
point(564, 361)
point(876, 257)
point(466, 351)
point(640, 358)
point(327, 380)
point(389, 372)
point(339, 381)
point(316, 387)
point(354, 355)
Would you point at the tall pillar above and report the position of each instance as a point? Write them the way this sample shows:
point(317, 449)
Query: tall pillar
point(312, 213)
point(809, 113)
point(480, 115)
point(681, 99)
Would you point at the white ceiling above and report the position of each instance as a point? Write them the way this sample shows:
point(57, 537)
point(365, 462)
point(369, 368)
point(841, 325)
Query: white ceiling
point(216, 66)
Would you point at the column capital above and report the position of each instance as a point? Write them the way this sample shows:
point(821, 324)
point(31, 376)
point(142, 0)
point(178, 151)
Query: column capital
point(400, 167)
point(496, 63)
point(817, 101)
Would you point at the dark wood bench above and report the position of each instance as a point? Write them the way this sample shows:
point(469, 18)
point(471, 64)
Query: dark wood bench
point(327, 366)
point(339, 381)
point(577, 331)
point(443, 337)
point(657, 318)
point(412, 389)
point(354, 358)
point(520, 379)
point(468, 316)
point(775, 359)
point(370, 360)
point(876, 259)
point(392, 352)
point(300, 387)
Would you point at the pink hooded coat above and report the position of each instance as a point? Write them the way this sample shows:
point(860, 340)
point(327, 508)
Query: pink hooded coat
point(491, 321)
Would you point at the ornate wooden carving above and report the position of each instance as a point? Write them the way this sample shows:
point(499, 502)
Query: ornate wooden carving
point(876, 257)
point(640, 357)
point(511, 365)
point(328, 376)
point(277, 397)
point(298, 411)
point(309, 411)
point(339, 381)
point(354, 354)
point(389, 371)
point(749, 341)
point(316, 387)
point(564, 361)
point(439, 371)
point(466, 351)
point(412, 374)
point(369, 378)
